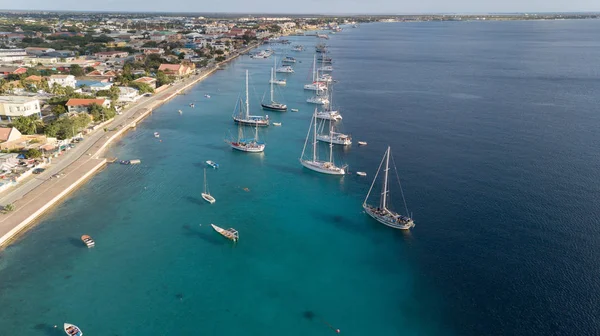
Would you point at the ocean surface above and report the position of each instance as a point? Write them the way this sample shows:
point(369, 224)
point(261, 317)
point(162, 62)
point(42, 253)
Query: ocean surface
point(494, 131)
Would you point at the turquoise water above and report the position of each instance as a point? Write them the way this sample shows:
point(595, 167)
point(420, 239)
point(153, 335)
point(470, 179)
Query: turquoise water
point(307, 256)
point(494, 129)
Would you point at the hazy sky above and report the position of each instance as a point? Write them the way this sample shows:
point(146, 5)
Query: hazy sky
point(311, 6)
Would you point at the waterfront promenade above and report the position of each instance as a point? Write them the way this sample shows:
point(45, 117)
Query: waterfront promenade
point(35, 196)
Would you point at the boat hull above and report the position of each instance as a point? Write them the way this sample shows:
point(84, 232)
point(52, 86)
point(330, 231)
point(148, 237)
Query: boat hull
point(329, 116)
point(244, 148)
point(259, 123)
point(278, 82)
point(389, 221)
point(274, 108)
point(208, 198)
point(334, 140)
point(321, 168)
point(317, 101)
point(67, 325)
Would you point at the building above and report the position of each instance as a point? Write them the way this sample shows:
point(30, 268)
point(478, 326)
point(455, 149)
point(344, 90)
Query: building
point(36, 51)
point(106, 55)
point(128, 94)
point(12, 70)
point(76, 105)
point(18, 106)
point(62, 80)
point(8, 134)
point(147, 80)
point(12, 55)
point(175, 69)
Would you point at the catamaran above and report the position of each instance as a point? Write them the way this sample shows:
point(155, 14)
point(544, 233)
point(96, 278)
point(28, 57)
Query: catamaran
point(272, 104)
point(327, 68)
point(334, 137)
point(382, 213)
point(274, 79)
point(251, 145)
point(318, 99)
point(244, 117)
point(206, 194)
point(298, 48)
point(316, 85)
point(325, 167)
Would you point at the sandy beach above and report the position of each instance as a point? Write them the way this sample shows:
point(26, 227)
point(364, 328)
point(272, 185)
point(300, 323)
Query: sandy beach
point(35, 196)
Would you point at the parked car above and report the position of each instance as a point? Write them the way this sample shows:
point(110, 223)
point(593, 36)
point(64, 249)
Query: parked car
point(38, 170)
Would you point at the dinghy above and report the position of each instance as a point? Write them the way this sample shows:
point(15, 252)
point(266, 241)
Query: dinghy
point(72, 330)
point(87, 240)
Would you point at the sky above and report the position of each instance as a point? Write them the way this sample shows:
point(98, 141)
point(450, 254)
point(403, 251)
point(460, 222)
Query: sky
point(312, 6)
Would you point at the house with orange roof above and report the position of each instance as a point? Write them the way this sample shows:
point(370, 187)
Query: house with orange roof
point(147, 80)
point(78, 105)
point(34, 78)
point(175, 69)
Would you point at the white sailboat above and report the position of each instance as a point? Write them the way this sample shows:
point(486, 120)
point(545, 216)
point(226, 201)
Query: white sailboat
point(382, 213)
point(334, 137)
point(325, 167)
point(274, 79)
point(316, 85)
point(272, 105)
point(244, 117)
point(328, 113)
point(206, 194)
point(248, 145)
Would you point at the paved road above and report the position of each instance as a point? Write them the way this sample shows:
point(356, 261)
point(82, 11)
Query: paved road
point(59, 164)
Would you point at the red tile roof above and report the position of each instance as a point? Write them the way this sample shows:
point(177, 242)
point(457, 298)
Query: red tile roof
point(169, 67)
point(84, 102)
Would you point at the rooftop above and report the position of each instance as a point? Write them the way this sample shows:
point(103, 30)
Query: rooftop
point(16, 99)
point(84, 102)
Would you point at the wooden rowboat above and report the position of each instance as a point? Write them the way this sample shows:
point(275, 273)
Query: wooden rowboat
point(229, 233)
point(87, 240)
point(72, 330)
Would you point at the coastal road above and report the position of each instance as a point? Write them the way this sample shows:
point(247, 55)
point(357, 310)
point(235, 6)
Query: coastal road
point(82, 148)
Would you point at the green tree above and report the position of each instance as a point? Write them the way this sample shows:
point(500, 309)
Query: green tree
point(51, 130)
point(59, 110)
point(219, 52)
point(220, 58)
point(25, 125)
point(142, 87)
point(33, 153)
point(163, 79)
point(76, 70)
point(89, 69)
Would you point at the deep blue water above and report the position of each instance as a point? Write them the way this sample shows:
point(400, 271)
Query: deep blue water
point(493, 126)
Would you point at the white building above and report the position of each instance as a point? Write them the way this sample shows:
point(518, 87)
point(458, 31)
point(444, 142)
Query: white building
point(62, 80)
point(18, 106)
point(12, 55)
point(128, 94)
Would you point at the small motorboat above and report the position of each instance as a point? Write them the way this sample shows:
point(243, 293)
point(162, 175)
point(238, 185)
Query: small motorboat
point(361, 173)
point(208, 198)
point(212, 164)
point(230, 233)
point(192, 105)
point(87, 240)
point(180, 112)
point(362, 143)
point(156, 135)
point(207, 95)
point(294, 110)
point(72, 330)
point(276, 124)
point(130, 162)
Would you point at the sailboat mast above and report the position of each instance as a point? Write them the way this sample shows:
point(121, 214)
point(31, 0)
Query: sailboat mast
point(271, 84)
point(205, 180)
point(315, 137)
point(330, 142)
point(385, 179)
point(247, 100)
point(256, 133)
point(314, 68)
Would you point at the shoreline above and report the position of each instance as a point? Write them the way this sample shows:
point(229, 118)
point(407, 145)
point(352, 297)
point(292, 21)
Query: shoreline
point(50, 192)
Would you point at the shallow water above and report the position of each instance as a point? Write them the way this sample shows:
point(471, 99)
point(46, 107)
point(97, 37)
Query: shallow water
point(493, 127)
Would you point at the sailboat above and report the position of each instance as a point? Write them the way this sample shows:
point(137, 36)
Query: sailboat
point(325, 167)
point(248, 145)
point(244, 117)
point(328, 113)
point(335, 137)
point(315, 85)
point(227, 233)
point(206, 195)
point(274, 79)
point(272, 104)
point(382, 213)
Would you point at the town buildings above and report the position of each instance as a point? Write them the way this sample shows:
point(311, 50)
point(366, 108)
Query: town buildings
point(18, 106)
point(62, 80)
point(77, 105)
